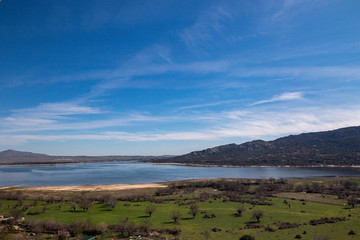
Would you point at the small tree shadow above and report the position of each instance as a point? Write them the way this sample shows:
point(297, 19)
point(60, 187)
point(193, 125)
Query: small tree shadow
point(171, 222)
point(107, 210)
point(252, 222)
point(146, 216)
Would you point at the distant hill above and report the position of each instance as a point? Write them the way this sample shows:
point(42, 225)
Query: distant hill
point(13, 157)
point(337, 147)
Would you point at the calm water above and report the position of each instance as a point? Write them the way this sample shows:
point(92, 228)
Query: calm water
point(133, 172)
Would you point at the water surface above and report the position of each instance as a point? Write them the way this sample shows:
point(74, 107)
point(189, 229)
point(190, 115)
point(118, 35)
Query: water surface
point(135, 172)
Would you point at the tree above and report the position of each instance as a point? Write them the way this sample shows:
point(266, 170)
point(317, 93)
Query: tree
point(150, 210)
point(194, 210)
point(111, 202)
point(60, 204)
point(45, 208)
point(73, 206)
point(240, 210)
point(257, 214)
point(352, 201)
point(85, 204)
point(146, 225)
point(102, 227)
point(175, 215)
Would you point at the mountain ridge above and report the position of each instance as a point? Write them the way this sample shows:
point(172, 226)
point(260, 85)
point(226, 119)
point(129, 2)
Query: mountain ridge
point(340, 147)
point(14, 157)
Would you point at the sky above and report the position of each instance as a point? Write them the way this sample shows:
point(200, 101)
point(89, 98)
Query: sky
point(170, 77)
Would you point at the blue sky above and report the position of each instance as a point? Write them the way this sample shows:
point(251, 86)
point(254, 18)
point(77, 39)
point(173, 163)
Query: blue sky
point(170, 77)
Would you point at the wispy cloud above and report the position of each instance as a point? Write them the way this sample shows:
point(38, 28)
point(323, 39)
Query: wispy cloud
point(57, 109)
point(287, 96)
point(44, 115)
point(330, 72)
point(250, 124)
point(292, 8)
point(212, 104)
point(67, 116)
point(210, 23)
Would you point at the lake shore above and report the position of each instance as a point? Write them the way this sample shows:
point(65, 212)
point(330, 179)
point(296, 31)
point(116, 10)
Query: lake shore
point(262, 166)
point(87, 188)
point(182, 164)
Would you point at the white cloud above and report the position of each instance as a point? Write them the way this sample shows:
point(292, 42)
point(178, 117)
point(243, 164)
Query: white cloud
point(207, 104)
point(287, 96)
point(248, 124)
point(57, 109)
point(44, 116)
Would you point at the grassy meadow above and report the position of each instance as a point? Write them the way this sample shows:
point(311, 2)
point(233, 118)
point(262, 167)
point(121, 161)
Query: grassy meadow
point(280, 209)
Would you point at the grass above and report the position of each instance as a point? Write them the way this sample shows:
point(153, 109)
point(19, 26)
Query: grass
point(226, 218)
point(304, 207)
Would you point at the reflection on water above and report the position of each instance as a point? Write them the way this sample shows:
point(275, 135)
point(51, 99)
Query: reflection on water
point(133, 172)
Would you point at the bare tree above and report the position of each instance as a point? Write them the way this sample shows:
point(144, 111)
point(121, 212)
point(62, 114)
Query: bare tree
point(102, 227)
point(45, 208)
point(146, 225)
point(257, 214)
point(194, 210)
point(352, 201)
point(175, 215)
point(73, 206)
point(240, 210)
point(111, 202)
point(150, 210)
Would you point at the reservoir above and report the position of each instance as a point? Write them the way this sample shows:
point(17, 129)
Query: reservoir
point(136, 172)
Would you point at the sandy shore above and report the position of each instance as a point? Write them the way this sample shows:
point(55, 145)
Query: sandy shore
point(110, 187)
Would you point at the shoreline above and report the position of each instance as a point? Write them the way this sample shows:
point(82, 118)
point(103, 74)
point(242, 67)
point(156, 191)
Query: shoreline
point(90, 188)
point(182, 164)
point(262, 166)
point(131, 186)
point(61, 163)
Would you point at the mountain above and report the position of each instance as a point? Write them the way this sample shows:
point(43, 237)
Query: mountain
point(13, 154)
point(338, 147)
point(13, 157)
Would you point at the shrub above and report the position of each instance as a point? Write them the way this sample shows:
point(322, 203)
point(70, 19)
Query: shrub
point(247, 237)
point(216, 229)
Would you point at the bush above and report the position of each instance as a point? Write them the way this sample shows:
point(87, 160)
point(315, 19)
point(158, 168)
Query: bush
point(286, 225)
point(247, 237)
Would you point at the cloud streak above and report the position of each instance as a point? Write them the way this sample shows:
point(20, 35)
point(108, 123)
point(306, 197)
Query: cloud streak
point(287, 96)
point(254, 123)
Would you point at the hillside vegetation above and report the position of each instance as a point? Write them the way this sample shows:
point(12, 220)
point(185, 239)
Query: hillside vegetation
point(338, 147)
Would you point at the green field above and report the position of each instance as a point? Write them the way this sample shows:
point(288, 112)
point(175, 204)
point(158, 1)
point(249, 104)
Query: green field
point(301, 211)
